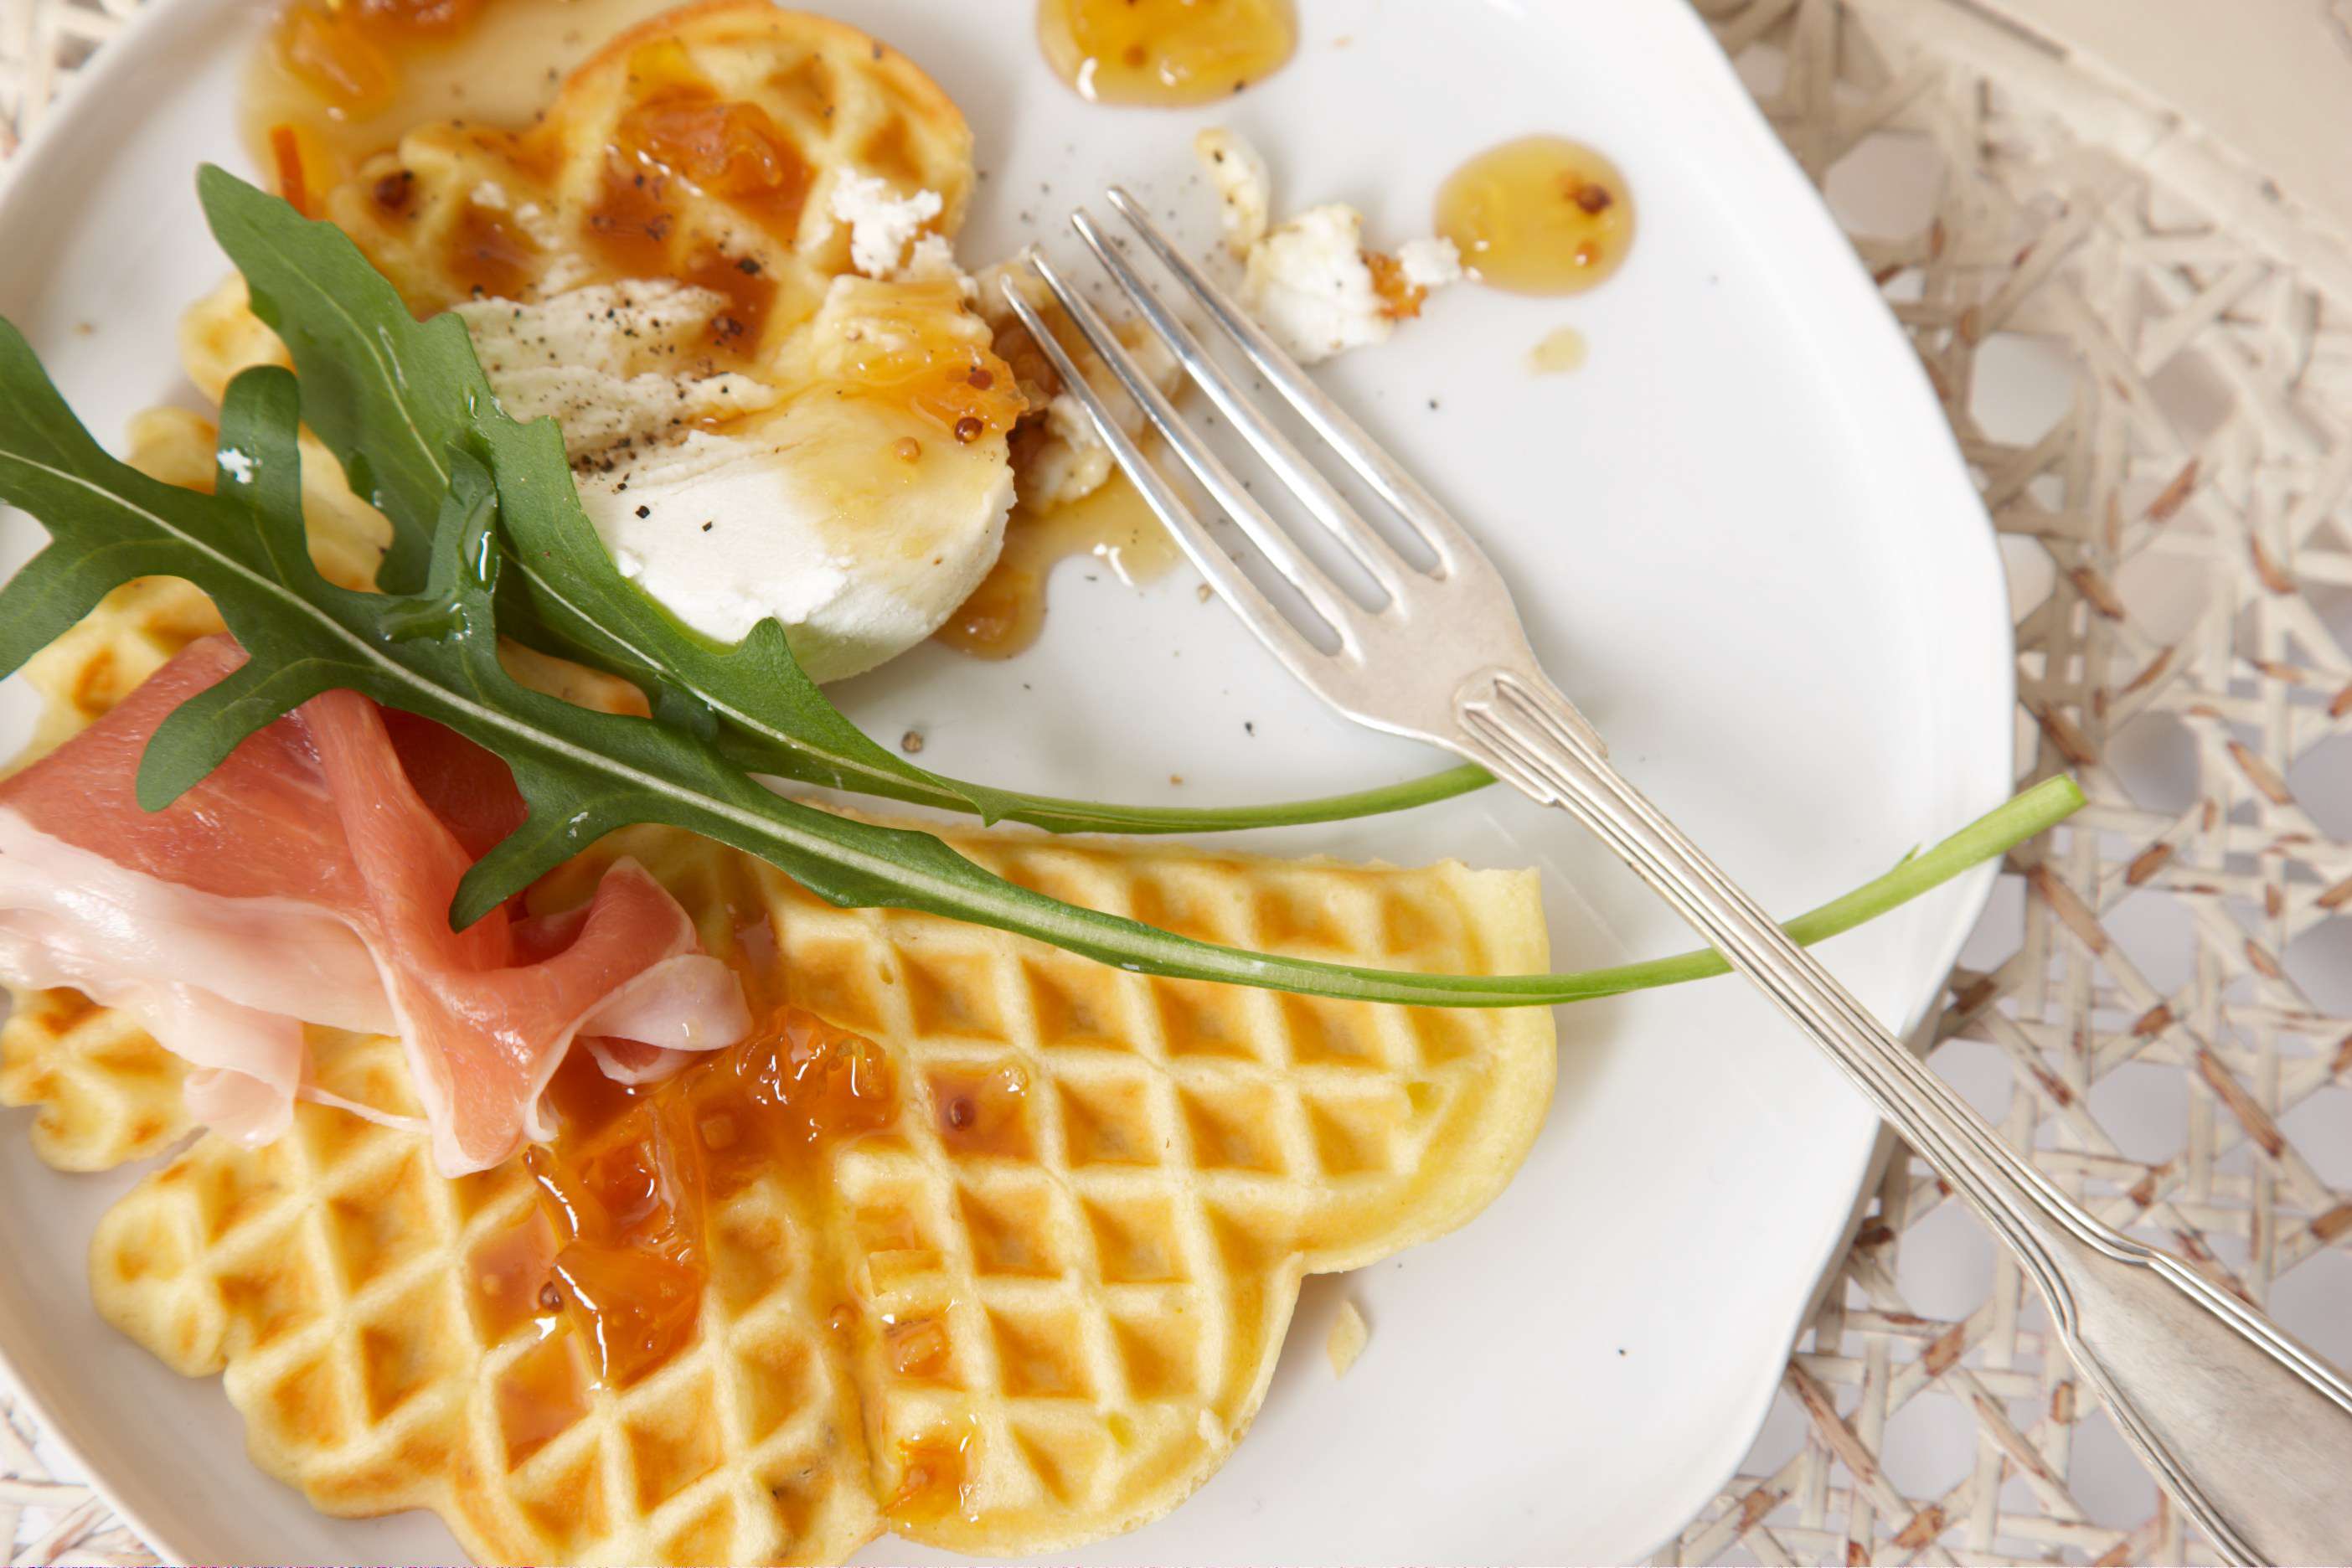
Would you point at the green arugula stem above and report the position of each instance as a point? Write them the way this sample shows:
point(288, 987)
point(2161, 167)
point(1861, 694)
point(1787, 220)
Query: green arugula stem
point(1056, 814)
point(799, 735)
point(1994, 833)
point(472, 494)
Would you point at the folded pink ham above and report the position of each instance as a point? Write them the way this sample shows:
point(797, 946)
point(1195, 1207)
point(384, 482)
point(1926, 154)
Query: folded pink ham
point(308, 881)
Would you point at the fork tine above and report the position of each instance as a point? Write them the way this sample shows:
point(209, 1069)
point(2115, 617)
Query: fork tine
point(1363, 542)
point(1320, 593)
point(1418, 508)
point(1224, 573)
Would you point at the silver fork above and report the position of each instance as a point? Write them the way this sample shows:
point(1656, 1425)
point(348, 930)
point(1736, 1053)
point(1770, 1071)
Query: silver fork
point(2248, 1430)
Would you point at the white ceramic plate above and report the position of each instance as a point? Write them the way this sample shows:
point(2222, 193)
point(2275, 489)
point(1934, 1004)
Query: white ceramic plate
point(1741, 536)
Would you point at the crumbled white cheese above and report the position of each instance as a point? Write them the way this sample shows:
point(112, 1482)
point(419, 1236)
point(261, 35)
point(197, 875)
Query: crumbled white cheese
point(1066, 419)
point(565, 267)
point(620, 367)
point(1309, 281)
point(882, 225)
point(932, 260)
point(1244, 189)
point(1068, 460)
point(1308, 284)
point(1070, 464)
point(1430, 263)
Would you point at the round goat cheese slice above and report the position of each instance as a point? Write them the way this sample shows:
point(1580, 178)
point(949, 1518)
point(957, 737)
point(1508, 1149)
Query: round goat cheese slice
point(855, 488)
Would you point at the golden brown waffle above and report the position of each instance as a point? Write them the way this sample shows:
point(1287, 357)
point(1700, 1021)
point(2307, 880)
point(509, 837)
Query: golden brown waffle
point(107, 1091)
point(1067, 1335)
point(141, 624)
point(220, 335)
point(845, 105)
point(1040, 1306)
point(703, 144)
point(339, 1282)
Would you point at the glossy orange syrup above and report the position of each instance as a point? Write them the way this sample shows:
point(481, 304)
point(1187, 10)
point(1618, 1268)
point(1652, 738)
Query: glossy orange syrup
point(337, 81)
point(615, 1261)
point(313, 104)
point(1113, 526)
point(678, 129)
point(1542, 215)
point(964, 390)
point(1558, 352)
point(1170, 53)
point(613, 1266)
point(934, 1476)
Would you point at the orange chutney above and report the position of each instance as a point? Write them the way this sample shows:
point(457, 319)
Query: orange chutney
point(1171, 53)
point(629, 1181)
point(1541, 215)
point(614, 1263)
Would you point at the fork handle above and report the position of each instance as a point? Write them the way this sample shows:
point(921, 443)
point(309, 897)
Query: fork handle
point(2250, 1431)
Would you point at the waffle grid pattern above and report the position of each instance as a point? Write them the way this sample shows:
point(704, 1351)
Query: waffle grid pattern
point(1126, 1230)
point(2115, 236)
point(836, 110)
point(106, 1092)
point(1029, 1307)
point(337, 1279)
point(1074, 1256)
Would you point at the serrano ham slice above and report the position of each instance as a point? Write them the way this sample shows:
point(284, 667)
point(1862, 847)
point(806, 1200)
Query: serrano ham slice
point(308, 881)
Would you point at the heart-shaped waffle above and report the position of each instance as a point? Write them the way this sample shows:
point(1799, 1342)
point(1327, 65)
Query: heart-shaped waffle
point(1031, 1296)
point(1033, 1300)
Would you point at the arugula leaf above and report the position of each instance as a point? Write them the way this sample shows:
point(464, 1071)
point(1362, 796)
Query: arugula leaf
point(386, 403)
point(1056, 815)
point(390, 397)
point(582, 773)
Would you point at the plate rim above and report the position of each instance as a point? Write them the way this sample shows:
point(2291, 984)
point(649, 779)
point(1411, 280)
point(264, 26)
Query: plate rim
point(1873, 330)
point(1882, 335)
point(79, 100)
point(1874, 322)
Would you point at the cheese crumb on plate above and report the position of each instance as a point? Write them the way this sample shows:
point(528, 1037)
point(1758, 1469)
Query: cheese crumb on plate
point(1310, 281)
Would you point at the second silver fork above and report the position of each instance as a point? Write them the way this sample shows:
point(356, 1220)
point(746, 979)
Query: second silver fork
point(2248, 1430)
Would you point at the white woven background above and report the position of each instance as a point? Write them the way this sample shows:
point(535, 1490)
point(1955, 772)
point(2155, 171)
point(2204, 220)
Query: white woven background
point(2143, 349)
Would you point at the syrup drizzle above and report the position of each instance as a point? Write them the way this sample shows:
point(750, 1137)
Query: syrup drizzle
point(617, 1251)
point(1007, 612)
point(1167, 53)
point(1541, 215)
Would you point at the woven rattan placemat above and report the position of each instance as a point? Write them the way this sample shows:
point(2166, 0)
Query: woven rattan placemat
point(2142, 348)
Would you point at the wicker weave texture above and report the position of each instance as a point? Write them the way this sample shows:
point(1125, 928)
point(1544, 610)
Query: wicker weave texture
point(2144, 353)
